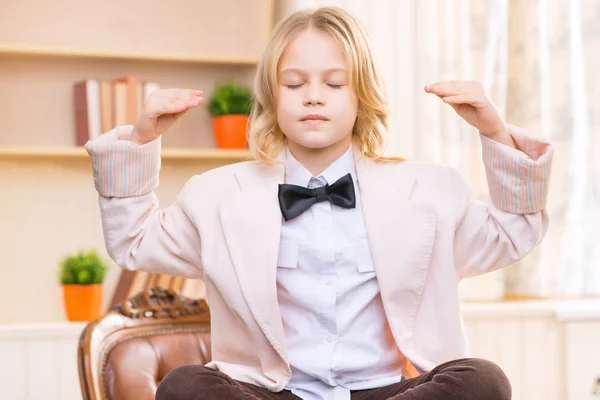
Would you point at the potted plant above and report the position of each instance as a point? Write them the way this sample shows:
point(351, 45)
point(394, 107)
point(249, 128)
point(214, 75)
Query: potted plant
point(230, 108)
point(82, 276)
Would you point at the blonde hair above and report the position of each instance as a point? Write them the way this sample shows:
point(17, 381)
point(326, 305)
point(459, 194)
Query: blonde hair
point(266, 138)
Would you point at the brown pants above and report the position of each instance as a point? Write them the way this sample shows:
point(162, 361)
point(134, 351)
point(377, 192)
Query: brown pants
point(463, 379)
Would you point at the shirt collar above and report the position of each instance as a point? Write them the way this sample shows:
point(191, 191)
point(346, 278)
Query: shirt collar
point(297, 174)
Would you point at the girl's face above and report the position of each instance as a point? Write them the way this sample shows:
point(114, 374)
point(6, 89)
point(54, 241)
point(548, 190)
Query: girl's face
point(316, 107)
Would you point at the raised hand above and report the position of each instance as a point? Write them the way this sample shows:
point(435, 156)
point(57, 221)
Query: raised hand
point(162, 109)
point(471, 103)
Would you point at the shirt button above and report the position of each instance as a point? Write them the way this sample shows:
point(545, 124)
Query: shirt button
point(325, 226)
point(328, 282)
point(330, 338)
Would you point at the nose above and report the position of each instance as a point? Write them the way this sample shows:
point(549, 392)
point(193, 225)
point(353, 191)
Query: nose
point(314, 96)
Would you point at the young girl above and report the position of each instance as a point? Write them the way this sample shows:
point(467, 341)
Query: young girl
point(331, 271)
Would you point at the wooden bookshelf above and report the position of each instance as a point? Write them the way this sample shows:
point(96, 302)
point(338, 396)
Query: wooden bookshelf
point(33, 51)
point(197, 45)
point(198, 31)
point(49, 201)
point(74, 153)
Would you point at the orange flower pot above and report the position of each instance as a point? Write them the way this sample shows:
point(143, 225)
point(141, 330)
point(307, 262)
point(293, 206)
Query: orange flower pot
point(82, 302)
point(230, 131)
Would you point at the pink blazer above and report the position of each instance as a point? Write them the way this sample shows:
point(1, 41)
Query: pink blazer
point(425, 233)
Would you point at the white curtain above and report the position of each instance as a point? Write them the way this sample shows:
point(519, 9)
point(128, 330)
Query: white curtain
point(537, 59)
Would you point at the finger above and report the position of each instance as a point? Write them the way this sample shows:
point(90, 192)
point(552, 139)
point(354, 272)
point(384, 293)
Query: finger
point(166, 106)
point(443, 90)
point(180, 93)
point(175, 105)
point(178, 104)
point(474, 100)
point(183, 94)
point(190, 94)
point(459, 99)
point(195, 102)
point(191, 98)
point(464, 85)
point(171, 101)
point(454, 83)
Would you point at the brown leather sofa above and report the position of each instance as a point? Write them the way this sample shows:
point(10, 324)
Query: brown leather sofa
point(124, 354)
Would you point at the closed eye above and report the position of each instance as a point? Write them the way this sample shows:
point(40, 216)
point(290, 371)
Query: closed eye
point(331, 85)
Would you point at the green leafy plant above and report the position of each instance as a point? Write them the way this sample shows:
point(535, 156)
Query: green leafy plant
point(83, 268)
point(230, 99)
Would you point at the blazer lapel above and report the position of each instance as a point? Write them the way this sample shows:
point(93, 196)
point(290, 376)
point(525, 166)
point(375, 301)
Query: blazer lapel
point(401, 234)
point(251, 222)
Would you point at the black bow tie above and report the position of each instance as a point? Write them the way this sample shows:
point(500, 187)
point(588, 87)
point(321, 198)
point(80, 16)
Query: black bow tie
point(294, 199)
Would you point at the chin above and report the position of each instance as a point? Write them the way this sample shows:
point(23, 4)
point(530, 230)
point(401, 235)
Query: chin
point(314, 140)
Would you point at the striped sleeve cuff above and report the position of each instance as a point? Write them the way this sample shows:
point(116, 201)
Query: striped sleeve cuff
point(518, 178)
point(122, 168)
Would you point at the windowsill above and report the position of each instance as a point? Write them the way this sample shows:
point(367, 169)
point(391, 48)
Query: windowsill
point(559, 309)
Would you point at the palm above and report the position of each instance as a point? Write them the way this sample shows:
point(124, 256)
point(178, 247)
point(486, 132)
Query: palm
point(467, 112)
point(166, 121)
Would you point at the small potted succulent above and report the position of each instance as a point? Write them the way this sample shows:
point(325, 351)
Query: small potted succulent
point(230, 107)
point(82, 276)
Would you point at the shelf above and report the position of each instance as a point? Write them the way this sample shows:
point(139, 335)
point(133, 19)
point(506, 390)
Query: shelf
point(42, 330)
point(73, 53)
point(166, 153)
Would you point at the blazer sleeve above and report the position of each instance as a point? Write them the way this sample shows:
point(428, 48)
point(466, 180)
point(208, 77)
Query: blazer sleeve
point(492, 235)
point(137, 233)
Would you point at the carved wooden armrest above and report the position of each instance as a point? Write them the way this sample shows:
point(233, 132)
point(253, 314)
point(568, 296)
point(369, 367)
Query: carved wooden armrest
point(161, 303)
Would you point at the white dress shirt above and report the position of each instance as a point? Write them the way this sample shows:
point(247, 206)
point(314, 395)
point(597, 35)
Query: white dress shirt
point(337, 335)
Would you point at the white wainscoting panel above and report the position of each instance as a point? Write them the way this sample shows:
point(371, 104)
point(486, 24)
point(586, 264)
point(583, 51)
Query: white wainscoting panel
point(39, 361)
point(526, 347)
point(549, 350)
point(582, 368)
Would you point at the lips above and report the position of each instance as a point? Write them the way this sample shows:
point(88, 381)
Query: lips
point(314, 117)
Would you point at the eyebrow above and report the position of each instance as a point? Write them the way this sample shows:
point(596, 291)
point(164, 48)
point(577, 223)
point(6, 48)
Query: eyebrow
point(301, 71)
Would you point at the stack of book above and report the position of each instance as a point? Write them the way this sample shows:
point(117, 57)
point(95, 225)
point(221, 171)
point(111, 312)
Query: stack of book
point(102, 105)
